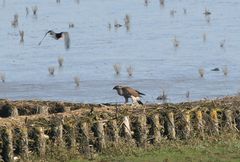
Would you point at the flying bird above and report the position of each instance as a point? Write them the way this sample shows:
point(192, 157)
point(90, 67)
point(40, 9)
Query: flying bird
point(57, 36)
point(128, 92)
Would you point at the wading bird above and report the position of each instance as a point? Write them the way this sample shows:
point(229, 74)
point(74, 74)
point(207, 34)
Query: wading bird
point(128, 92)
point(57, 36)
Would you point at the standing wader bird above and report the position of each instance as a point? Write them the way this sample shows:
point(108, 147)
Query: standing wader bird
point(57, 36)
point(128, 92)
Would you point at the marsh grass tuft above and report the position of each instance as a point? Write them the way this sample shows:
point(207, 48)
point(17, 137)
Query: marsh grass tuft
point(201, 72)
point(176, 42)
point(225, 70)
point(34, 10)
point(222, 43)
point(163, 97)
point(51, 70)
point(15, 21)
point(60, 61)
point(77, 81)
point(117, 68)
point(130, 71)
point(21, 33)
point(71, 25)
point(127, 22)
point(207, 12)
point(2, 77)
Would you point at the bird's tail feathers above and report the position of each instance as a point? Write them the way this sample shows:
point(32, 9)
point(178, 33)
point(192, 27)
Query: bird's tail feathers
point(139, 102)
point(140, 93)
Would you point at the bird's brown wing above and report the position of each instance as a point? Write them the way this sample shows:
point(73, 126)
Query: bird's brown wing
point(130, 92)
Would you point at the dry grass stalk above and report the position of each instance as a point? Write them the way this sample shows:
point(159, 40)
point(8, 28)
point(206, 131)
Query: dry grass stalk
point(130, 71)
point(15, 21)
point(201, 72)
point(126, 128)
point(141, 134)
point(171, 126)
point(101, 136)
point(155, 128)
point(127, 19)
point(58, 1)
point(187, 125)
point(27, 11)
point(225, 70)
point(51, 70)
point(117, 68)
point(176, 42)
point(127, 22)
point(77, 81)
point(60, 61)
point(21, 33)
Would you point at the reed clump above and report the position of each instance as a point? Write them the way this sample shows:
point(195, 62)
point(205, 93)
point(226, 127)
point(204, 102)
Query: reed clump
point(201, 72)
point(15, 21)
point(51, 70)
point(130, 71)
point(60, 61)
point(117, 68)
point(34, 10)
point(21, 33)
point(2, 77)
point(77, 81)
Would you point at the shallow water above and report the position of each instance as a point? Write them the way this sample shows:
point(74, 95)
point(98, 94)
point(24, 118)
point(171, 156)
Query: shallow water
point(147, 47)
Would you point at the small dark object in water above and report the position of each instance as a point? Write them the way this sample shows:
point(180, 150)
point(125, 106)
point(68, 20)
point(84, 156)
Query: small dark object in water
point(117, 25)
point(215, 69)
point(207, 12)
point(162, 97)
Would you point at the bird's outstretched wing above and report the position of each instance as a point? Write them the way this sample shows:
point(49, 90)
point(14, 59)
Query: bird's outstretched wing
point(43, 38)
point(66, 40)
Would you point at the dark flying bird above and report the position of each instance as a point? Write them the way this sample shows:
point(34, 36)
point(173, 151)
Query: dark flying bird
point(128, 92)
point(57, 36)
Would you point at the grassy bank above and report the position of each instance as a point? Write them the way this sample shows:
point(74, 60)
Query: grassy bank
point(225, 148)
